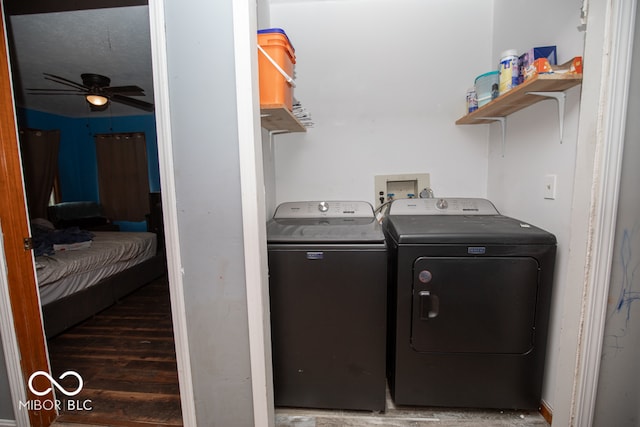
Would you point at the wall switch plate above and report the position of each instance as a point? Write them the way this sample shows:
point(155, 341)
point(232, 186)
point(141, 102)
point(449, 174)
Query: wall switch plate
point(550, 187)
point(404, 186)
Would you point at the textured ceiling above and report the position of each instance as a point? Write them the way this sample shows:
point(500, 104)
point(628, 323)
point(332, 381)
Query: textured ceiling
point(113, 42)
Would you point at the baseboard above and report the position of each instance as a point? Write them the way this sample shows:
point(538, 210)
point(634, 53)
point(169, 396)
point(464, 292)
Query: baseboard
point(546, 412)
point(7, 423)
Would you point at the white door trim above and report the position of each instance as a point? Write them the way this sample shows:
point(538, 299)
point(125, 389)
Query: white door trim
point(169, 210)
point(253, 209)
point(10, 345)
point(616, 67)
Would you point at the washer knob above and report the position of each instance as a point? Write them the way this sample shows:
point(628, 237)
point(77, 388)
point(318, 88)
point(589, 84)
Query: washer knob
point(442, 204)
point(323, 206)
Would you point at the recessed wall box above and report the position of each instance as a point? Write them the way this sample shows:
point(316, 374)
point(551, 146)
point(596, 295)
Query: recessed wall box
point(403, 186)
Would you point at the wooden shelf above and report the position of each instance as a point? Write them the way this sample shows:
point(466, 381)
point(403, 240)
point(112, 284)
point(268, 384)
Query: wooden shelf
point(278, 119)
point(518, 98)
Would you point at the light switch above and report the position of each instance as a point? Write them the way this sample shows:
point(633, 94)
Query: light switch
point(550, 187)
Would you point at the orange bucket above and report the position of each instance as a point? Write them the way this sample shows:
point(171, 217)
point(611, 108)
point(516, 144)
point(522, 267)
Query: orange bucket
point(276, 57)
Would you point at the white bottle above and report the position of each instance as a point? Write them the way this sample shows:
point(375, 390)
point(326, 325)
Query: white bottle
point(508, 71)
point(472, 100)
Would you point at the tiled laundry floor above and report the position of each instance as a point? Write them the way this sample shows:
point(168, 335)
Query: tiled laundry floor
point(408, 417)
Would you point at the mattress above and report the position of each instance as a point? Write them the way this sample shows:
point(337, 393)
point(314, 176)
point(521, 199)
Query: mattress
point(110, 252)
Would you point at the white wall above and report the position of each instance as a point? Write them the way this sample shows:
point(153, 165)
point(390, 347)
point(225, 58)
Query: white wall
point(533, 149)
point(206, 169)
point(384, 81)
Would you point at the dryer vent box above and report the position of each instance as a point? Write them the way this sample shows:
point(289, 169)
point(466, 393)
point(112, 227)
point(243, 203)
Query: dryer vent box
point(404, 186)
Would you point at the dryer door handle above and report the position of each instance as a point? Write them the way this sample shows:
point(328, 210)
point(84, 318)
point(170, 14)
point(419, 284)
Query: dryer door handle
point(429, 305)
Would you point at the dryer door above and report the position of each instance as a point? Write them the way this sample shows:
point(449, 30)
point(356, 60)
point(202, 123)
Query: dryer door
point(474, 304)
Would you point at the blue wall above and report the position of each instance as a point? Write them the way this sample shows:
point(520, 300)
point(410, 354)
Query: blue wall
point(78, 171)
point(78, 168)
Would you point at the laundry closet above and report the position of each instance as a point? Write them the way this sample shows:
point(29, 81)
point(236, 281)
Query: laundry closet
point(385, 83)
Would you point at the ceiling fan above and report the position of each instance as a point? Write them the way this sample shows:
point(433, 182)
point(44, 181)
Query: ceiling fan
point(97, 92)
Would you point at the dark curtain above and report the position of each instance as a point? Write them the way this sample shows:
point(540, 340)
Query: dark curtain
point(39, 150)
point(123, 176)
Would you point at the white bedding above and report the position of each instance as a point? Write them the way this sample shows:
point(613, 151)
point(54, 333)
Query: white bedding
point(110, 252)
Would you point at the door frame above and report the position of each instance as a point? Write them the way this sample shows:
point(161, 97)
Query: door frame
point(254, 218)
point(26, 335)
point(10, 343)
point(619, 20)
point(169, 208)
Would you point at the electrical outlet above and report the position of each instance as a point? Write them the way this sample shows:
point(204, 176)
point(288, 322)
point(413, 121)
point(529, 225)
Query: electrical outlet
point(405, 186)
point(550, 187)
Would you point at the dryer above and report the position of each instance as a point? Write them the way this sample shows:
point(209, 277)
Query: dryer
point(327, 287)
point(470, 294)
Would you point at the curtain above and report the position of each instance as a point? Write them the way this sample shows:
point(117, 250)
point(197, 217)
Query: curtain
point(123, 177)
point(39, 150)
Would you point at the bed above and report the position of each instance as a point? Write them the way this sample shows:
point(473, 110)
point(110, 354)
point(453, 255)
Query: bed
point(80, 278)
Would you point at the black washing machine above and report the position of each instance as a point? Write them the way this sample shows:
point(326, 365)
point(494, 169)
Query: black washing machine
point(328, 295)
point(470, 294)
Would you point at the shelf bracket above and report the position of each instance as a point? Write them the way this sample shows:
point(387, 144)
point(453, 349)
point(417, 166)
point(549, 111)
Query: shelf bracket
point(503, 126)
point(560, 97)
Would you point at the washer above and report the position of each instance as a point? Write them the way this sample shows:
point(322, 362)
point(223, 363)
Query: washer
point(470, 294)
point(328, 289)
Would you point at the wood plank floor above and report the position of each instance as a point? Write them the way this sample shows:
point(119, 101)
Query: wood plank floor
point(126, 357)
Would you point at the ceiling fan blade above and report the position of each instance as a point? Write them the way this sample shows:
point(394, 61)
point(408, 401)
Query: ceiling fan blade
point(143, 105)
point(55, 90)
point(125, 90)
point(62, 80)
point(58, 93)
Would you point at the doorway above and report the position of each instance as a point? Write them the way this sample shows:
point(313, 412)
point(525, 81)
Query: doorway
point(110, 119)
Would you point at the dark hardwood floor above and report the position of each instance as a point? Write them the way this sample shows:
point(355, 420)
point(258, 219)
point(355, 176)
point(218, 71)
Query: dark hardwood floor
point(126, 358)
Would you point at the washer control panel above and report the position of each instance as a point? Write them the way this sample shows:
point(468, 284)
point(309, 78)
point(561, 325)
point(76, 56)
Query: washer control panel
point(443, 206)
point(324, 209)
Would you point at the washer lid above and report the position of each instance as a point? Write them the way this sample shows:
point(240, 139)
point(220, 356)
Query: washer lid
point(324, 209)
point(443, 206)
point(324, 230)
point(324, 222)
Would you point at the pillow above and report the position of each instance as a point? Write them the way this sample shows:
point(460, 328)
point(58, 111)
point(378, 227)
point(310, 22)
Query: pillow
point(42, 223)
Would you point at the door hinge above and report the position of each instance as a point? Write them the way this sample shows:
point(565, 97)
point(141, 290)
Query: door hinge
point(28, 243)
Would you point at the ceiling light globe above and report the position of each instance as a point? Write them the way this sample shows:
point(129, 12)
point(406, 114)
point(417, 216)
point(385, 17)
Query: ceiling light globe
point(97, 99)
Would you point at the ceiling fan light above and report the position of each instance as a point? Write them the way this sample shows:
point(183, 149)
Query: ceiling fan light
point(98, 100)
